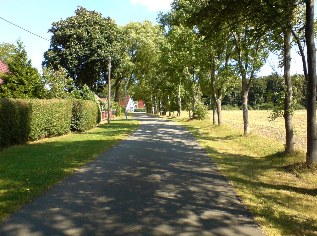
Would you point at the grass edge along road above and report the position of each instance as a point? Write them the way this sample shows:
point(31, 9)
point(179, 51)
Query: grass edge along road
point(281, 195)
point(27, 171)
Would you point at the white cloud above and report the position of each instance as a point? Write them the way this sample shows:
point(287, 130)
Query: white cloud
point(153, 5)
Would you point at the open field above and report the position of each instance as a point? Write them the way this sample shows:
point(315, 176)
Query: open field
point(280, 192)
point(26, 171)
point(260, 124)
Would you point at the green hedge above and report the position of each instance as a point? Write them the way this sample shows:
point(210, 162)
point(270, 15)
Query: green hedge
point(139, 110)
point(86, 115)
point(50, 118)
point(14, 121)
point(29, 120)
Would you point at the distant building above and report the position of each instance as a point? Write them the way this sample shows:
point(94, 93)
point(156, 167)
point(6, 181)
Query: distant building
point(141, 104)
point(3, 69)
point(127, 103)
point(131, 105)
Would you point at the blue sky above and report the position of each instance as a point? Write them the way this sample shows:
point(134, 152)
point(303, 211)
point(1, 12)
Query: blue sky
point(38, 15)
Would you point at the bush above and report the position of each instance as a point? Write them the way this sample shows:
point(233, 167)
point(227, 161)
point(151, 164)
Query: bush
point(201, 111)
point(229, 107)
point(33, 119)
point(139, 110)
point(14, 121)
point(49, 118)
point(264, 106)
point(29, 120)
point(86, 115)
point(117, 109)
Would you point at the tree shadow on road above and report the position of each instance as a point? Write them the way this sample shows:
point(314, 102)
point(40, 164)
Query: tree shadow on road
point(157, 183)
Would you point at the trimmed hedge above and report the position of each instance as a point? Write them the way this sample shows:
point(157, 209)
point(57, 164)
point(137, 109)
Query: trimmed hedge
point(14, 121)
point(34, 119)
point(50, 118)
point(86, 115)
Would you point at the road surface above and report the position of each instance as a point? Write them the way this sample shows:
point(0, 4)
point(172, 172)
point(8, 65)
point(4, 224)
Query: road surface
point(157, 182)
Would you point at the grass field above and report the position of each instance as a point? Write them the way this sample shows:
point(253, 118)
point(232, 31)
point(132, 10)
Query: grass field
point(280, 193)
point(260, 124)
point(26, 171)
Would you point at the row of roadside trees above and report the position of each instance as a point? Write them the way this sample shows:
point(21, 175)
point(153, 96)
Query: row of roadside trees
point(199, 49)
point(240, 36)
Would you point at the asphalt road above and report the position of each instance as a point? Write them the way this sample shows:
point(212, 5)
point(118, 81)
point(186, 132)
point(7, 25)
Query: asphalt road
point(157, 182)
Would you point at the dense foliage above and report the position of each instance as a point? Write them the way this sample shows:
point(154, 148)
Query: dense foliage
point(86, 114)
point(23, 81)
point(201, 52)
point(14, 121)
point(267, 93)
point(33, 119)
point(49, 118)
point(83, 44)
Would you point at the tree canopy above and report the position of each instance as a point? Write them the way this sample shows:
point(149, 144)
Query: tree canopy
point(83, 45)
point(22, 80)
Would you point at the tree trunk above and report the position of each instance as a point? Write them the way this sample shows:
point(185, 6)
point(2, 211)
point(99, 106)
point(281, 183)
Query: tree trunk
point(117, 91)
point(301, 52)
point(213, 93)
point(193, 107)
point(218, 102)
point(179, 100)
point(288, 117)
point(245, 111)
point(155, 106)
point(311, 156)
point(214, 114)
point(193, 102)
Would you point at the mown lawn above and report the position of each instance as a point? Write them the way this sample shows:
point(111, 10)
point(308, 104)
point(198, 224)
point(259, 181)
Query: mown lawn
point(281, 194)
point(26, 171)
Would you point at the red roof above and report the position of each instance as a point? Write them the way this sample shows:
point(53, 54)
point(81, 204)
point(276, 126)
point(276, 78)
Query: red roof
point(3, 69)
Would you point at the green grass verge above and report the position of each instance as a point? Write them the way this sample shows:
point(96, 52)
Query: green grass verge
point(281, 195)
point(26, 171)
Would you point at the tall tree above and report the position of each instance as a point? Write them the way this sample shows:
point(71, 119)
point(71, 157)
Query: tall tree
point(279, 18)
point(213, 17)
point(57, 83)
point(23, 80)
point(82, 45)
point(186, 48)
point(6, 51)
point(311, 157)
point(144, 43)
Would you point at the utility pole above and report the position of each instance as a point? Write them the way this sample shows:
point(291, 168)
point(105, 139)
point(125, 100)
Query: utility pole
point(109, 88)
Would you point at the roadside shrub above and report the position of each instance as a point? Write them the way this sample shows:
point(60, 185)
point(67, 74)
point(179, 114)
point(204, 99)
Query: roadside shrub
point(14, 121)
point(116, 108)
point(264, 106)
point(229, 107)
point(49, 118)
point(201, 111)
point(33, 119)
point(86, 115)
point(139, 110)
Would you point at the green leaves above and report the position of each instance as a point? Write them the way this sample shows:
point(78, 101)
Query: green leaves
point(23, 81)
point(57, 83)
point(82, 45)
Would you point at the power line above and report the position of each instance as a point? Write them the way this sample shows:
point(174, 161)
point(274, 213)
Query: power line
point(23, 29)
